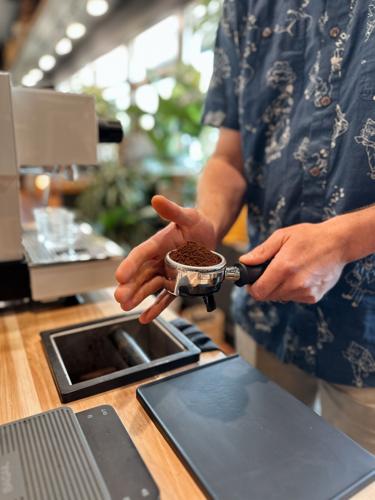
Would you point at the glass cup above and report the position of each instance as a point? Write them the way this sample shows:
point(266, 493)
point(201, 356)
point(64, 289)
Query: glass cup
point(55, 227)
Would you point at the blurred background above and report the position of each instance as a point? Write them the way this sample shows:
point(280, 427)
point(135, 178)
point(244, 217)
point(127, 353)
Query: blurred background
point(148, 64)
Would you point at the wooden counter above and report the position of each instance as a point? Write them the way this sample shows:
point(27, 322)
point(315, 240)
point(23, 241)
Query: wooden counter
point(27, 387)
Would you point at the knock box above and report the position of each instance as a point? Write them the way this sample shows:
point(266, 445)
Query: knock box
point(93, 357)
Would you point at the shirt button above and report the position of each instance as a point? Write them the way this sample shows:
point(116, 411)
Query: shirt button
point(325, 101)
point(334, 32)
point(315, 171)
point(324, 153)
point(267, 32)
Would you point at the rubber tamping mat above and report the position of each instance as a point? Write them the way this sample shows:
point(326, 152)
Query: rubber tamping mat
point(242, 437)
point(46, 457)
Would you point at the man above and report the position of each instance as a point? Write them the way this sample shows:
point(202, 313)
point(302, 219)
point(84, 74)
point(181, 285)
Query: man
point(293, 92)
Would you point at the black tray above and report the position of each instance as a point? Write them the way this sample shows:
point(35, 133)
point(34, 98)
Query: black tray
point(241, 436)
point(75, 350)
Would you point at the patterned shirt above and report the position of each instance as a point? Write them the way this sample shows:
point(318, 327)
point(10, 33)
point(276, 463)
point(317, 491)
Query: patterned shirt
point(297, 79)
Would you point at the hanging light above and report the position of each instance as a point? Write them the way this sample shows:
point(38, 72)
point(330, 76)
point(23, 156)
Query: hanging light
point(76, 30)
point(37, 74)
point(97, 8)
point(63, 46)
point(28, 81)
point(47, 62)
point(32, 77)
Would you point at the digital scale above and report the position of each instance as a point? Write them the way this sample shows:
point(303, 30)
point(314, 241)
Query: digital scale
point(60, 455)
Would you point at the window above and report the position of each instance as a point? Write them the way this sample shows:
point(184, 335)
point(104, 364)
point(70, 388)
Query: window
point(112, 68)
point(154, 48)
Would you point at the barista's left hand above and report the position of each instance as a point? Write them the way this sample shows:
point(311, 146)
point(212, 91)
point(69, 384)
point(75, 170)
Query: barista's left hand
point(307, 261)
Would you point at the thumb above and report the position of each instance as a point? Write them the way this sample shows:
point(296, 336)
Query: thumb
point(170, 211)
point(265, 251)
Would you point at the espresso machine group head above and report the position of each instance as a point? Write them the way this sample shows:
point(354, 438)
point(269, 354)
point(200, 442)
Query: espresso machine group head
point(44, 128)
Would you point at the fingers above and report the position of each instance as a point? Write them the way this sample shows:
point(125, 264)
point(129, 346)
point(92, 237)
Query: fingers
point(172, 212)
point(149, 288)
point(297, 293)
point(289, 290)
point(148, 250)
point(162, 302)
point(124, 292)
point(267, 283)
point(278, 272)
point(153, 249)
point(266, 250)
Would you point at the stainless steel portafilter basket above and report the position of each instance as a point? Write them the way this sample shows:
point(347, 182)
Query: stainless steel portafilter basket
point(204, 281)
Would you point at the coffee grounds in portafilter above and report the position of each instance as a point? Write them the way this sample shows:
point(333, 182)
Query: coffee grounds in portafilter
point(195, 254)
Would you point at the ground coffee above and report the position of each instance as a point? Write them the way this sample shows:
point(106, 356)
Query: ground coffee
point(195, 254)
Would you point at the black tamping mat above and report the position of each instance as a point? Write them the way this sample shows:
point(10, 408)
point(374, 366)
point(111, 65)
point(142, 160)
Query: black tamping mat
point(59, 455)
point(242, 437)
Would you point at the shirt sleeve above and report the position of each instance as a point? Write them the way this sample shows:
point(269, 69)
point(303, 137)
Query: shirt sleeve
point(221, 105)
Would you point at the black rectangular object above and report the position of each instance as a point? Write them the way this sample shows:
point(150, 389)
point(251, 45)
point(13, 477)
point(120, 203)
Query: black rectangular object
point(15, 280)
point(46, 457)
point(88, 348)
point(243, 437)
point(119, 462)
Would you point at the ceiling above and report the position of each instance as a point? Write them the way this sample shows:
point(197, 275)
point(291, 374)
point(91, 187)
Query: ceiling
point(15, 20)
point(124, 20)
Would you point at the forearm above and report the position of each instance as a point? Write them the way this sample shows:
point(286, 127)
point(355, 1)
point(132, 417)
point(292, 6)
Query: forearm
point(358, 232)
point(220, 194)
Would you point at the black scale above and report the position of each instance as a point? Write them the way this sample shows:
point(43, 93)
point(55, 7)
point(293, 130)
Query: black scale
point(59, 455)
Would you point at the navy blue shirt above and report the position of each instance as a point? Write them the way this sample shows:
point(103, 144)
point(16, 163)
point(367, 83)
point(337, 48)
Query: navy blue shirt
point(297, 79)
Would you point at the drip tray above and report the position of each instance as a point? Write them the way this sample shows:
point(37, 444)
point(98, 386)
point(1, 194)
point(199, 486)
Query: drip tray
point(90, 358)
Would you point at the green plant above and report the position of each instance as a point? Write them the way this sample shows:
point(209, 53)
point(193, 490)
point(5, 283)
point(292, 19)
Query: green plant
point(118, 200)
point(177, 116)
point(207, 24)
point(104, 109)
point(117, 203)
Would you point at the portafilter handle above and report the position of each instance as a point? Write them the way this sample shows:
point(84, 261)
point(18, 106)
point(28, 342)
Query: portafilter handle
point(245, 275)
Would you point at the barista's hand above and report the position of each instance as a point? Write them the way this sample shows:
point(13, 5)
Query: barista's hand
point(142, 272)
point(307, 261)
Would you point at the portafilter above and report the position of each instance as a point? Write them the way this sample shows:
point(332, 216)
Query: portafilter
point(204, 281)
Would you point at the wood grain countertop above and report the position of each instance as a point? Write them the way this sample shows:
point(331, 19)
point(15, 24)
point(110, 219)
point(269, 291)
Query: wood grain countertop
point(27, 388)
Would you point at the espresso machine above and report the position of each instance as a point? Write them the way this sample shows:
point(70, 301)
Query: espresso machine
point(44, 128)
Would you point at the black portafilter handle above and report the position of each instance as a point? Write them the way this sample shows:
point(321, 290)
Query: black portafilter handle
point(249, 274)
point(110, 131)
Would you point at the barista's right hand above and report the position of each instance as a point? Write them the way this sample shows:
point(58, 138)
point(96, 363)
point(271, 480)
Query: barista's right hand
point(142, 274)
